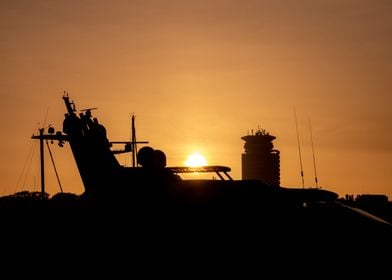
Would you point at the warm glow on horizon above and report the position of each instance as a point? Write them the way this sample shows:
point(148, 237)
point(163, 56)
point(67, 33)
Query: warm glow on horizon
point(196, 160)
point(198, 75)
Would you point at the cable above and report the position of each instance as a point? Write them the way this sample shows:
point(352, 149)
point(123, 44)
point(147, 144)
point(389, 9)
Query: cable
point(54, 166)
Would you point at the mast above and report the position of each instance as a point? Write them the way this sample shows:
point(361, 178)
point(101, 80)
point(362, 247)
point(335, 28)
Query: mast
point(134, 147)
point(314, 158)
point(50, 136)
point(41, 149)
point(130, 146)
point(69, 105)
point(299, 149)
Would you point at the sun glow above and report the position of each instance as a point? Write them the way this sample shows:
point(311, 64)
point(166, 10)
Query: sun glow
point(195, 160)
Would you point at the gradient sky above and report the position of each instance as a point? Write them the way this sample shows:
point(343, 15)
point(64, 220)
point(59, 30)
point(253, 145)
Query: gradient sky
point(199, 75)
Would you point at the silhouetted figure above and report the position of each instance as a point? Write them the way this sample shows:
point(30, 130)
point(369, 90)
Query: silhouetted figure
point(160, 159)
point(154, 163)
point(99, 127)
point(146, 157)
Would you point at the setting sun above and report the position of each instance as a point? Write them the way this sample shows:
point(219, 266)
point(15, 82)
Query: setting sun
point(195, 160)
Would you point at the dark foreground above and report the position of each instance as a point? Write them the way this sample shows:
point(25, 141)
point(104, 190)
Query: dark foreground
point(122, 237)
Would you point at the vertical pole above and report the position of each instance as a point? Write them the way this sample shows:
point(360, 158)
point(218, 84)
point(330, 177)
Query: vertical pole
point(299, 149)
point(41, 149)
point(314, 158)
point(134, 148)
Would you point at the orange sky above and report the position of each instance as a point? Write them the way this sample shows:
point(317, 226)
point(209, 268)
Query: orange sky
point(199, 75)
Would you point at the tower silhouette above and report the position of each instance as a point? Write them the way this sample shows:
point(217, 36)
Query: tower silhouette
point(260, 160)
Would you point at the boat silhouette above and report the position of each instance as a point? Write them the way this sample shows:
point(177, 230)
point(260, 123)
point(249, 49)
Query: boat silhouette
point(151, 207)
point(160, 190)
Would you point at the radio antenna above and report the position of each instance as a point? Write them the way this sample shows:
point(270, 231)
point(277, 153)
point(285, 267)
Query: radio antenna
point(299, 149)
point(134, 147)
point(314, 158)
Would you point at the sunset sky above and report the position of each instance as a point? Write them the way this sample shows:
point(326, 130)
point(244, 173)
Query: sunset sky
point(199, 75)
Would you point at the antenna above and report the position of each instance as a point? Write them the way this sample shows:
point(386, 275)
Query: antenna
point(42, 162)
point(134, 148)
point(299, 149)
point(314, 158)
point(46, 115)
point(42, 156)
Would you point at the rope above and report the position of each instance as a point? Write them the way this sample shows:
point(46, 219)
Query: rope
point(26, 168)
point(54, 166)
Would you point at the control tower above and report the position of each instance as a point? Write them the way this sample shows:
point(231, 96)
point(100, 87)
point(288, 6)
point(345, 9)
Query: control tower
point(260, 161)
